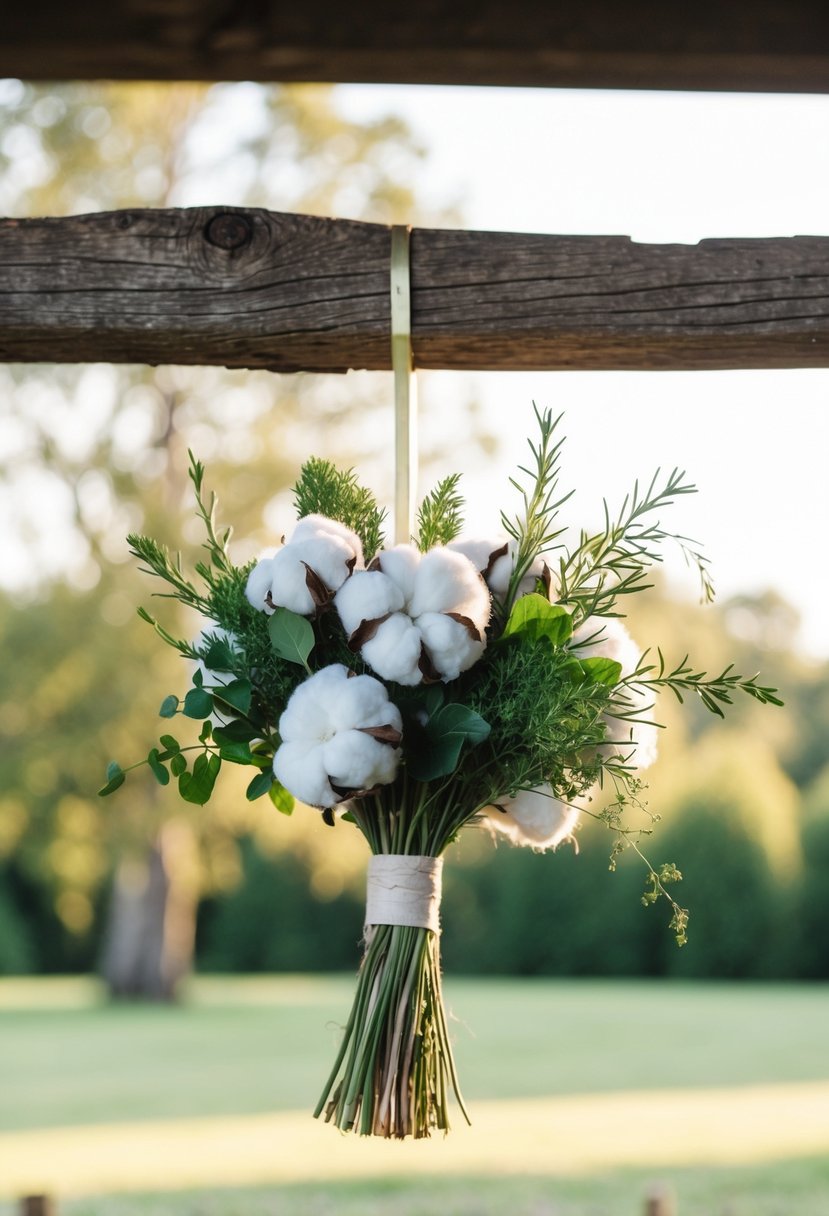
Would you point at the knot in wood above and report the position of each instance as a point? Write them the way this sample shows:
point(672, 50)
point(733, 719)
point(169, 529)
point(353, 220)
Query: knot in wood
point(228, 230)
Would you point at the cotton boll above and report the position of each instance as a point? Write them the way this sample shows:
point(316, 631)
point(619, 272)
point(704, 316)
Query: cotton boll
point(324, 746)
point(328, 556)
point(312, 526)
point(535, 818)
point(308, 713)
point(497, 571)
point(366, 596)
point(448, 582)
point(401, 565)
point(355, 761)
point(300, 767)
point(449, 644)
point(259, 584)
point(479, 549)
point(363, 701)
point(394, 651)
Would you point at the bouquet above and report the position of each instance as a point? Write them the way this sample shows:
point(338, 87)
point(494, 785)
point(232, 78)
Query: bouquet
point(417, 690)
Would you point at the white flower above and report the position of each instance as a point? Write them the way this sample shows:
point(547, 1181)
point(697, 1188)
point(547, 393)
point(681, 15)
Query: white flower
point(535, 818)
point(416, 616)
point(305, 572)
point(340, 734)
point(607, 638)
point(494, 557)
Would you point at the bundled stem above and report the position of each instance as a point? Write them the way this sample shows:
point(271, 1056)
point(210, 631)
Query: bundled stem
point(394, 1071)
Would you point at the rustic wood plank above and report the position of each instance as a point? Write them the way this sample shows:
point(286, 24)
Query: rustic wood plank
point(766, 45)
point(252, 288)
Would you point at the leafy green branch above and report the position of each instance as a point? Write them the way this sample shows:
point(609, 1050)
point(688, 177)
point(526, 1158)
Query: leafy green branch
point(615, 560)
point(322, 489)
point(713, 691)
point(533, 531)
point(628, 792)
point(440, 516)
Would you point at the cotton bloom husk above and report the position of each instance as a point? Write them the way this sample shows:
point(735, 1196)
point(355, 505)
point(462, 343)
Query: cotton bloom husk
point(416, 613)
point(326, 751)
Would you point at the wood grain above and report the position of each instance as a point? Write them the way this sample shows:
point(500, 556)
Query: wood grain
point(252, 288)
point(764, 45)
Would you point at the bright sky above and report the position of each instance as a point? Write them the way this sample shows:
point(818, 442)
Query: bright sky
point(657, 167)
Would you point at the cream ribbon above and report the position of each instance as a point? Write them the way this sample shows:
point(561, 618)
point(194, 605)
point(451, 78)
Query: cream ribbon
point(405, 387)
point(404, 890)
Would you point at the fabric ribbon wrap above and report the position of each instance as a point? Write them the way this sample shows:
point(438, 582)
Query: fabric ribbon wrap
point(404, 890)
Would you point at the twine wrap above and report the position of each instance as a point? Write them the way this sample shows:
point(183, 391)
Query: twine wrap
point(404, 890)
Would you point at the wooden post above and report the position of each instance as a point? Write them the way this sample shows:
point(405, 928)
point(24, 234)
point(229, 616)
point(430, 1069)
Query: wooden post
point(254, 288)
point(37, 1205)
point(660, 1201)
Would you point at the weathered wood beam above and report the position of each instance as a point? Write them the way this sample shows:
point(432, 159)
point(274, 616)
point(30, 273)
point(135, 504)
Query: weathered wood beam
point(252, 288)
point(764, 45)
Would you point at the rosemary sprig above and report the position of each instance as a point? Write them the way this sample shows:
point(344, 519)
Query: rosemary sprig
point(615, 561)
point(534, 532)
point(713, 691)
point(440, 515)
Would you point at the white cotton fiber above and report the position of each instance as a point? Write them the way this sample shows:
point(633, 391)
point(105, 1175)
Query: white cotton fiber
point(322, 739)
point(356, 761)
point(394, 651)
point(534, 818)
point(312, 526)
point(448, 582)
point(401, 565)
point(449, 644)
point(301, 769)
point(366, 596)
point(259, 584)
point(363, 701)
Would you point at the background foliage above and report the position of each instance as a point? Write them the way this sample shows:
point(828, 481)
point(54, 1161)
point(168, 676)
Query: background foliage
point(91, 453)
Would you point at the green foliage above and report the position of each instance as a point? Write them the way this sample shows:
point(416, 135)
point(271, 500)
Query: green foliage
point(434, 750)
point(714, 691)
point(325, 490)
point(535, 532)
point(440, 515)
point(292, 637)
point(533, 618)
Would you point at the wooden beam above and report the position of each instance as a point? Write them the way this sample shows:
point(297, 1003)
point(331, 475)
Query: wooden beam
point(764, 45)
point(252, 288)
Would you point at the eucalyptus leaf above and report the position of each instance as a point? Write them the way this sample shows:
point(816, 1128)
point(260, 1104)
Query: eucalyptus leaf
point(260, 785)
point(197, 704)
point(292, 636)
point(282, 800)
point(160, 773)
point(115, 779)
point(236, 694)
point(169, 707)
point(196, 787)
point(178, 764)
point(171, 744)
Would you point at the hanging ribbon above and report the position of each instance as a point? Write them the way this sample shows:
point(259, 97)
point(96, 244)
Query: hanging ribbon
point(405, 386)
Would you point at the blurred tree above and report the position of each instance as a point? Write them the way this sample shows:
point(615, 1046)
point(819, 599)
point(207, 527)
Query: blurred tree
point(91, 453)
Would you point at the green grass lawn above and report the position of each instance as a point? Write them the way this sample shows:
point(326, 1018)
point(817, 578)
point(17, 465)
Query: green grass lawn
point(244, 1047)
